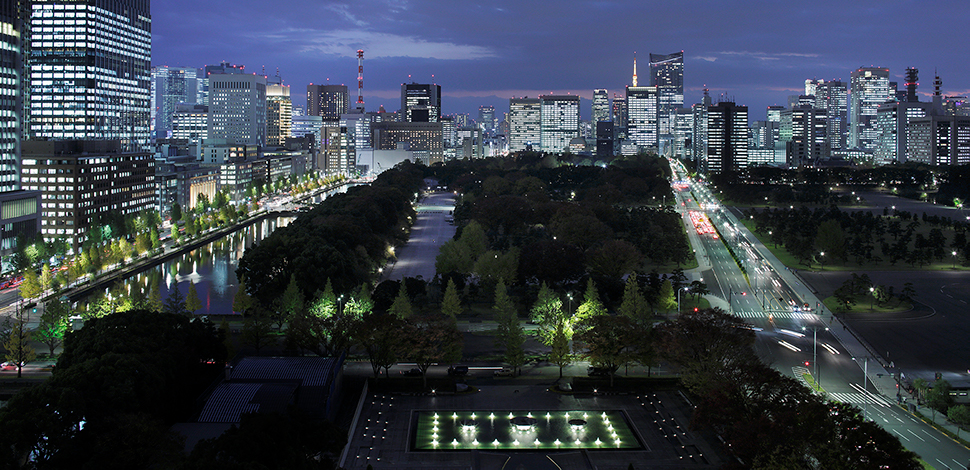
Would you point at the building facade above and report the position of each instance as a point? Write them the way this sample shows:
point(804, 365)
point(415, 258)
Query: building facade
point(939, 140)
point(832, 96)
point(667, 75)
point(641, 112)
point(804, 131)
point(870, 89)
point(601, 106)
point(420, 102)
point(727, 138)
point(525, 121)
point(279, 114)
point(422, 137)
point(559, 122)
point(171, 87)
point(13, 88)
point(237, 108)
point(90, 78)
point(327, 101)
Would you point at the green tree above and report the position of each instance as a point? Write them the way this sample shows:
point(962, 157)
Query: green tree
point(257, 331)
point(510, 335)
point(401, 307)
point(606, 341)
point(548, 313)
point(154, 238)
point(495, 265)
point(53, 324)
point(192, 302)
point(46, 278)
point(291, 304)
point(634, 306)
point(665, 299)
point(451, 305)
point(30, 287)
point(591, 306)
point(959, 415)
point(830, 239)
point(938, 398)
point(560, 353)
point(175, 302)
point(176, 213)
point(241, 302)
point(433, 339)
point(360, 304)
point(17, 345)
point(381, 337)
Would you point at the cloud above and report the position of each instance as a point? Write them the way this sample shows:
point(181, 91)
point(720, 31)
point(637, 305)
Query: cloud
point(344, 11)
point(705, 58)
point(345, 43)
point(766, 55)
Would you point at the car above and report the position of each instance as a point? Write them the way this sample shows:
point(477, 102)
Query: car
point(505, 372)
point(10, 366)
point(598, 371)
point(458, 371)
point(412, 372)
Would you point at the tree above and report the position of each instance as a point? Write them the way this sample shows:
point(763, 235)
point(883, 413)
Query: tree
point(290, 304)
point(560, 352)
point(938, 398)
point(46, 279)
point(548, 313)
point(30, 287)
point(401, 307)
point(192, 302)
point(510, 335)
point(451, 305)
point(591, 305)
point(634, 306)
point(257, 328)
point(17, 345)
point(53, 325)
point(666, 299)
point(433, 339)
point(382, 339)
point(921, 386)
point(154, 238)
point(241, 302)
point(606, 341)
point(175, 302)
point(176, 215)
point(959, 415)
point(830, 239)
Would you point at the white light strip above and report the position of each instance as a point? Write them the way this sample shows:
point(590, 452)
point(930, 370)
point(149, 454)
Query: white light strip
point(830, 349)
point(789, 346)
point(791, 333)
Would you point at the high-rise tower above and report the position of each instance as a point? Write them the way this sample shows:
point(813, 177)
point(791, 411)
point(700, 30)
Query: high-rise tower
point(420, 102)
point(12, 42)
point(524, 123)
point(870, 88)
point(601, 105)
point(559, 116)
point(667, 74)
point(90, 70)
point(327, 101)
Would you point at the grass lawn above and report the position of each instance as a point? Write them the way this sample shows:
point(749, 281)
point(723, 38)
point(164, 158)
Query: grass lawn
point(788, 260)
point(862, 305)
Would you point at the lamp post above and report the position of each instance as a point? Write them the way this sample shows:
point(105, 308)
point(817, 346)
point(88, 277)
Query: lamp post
point(821, 260)
point(872, 295)
point(865, 378)
point(678, 297)
point(954, 260)
point(569, 309)
point(818, 380)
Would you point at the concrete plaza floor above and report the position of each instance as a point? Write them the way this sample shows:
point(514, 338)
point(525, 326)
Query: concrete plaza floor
point(383, 433)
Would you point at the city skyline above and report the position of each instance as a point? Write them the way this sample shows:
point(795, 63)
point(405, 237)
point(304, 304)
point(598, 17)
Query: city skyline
point(756, 54)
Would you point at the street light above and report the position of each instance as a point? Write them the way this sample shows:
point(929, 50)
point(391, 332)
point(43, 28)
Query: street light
point(865, 378)
point(570, 304)
point(678, 297)
point(954, 260)
point(872, 295)
point(818, 380)
point(821, 260)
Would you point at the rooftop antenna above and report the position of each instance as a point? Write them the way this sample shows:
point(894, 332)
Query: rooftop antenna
point(634, 68)
point(360, 80)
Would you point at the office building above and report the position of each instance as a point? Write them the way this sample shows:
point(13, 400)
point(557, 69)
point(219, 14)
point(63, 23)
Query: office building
point(80, 181)
point(279, 112)
point(559, 122)
point(90, 78)
point(486, 119)
point(870, 89)
point(191, 123)
point(727, 138)
point(667, 75)
point(420, 102)
point(619, 116)
point(237, 108)
point(338, 150)
point(893, 118)
point(641, 116)
point(601, 106)
point(683, 133)
point(448, 131)
point(832, 96)
point(605, 140)
point(423, 138)
point(804, 132)
point(13, 89)
point(699, 134)
point(525, 121)
point(327, 101)
point(202, 95)
point(171, 86)
point(939, 140)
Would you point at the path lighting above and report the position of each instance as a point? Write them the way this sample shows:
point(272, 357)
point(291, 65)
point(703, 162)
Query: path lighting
point(872, 295)
point(818, 381)
point(678, 297)
point(821, 259)
point(954, 259)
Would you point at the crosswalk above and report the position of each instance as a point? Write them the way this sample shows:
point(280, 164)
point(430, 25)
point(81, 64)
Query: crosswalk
point(860, 398)
point(783, 315)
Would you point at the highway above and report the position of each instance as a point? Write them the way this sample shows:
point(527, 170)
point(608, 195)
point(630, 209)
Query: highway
point(798, 340)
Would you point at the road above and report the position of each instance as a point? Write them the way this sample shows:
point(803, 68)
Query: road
point(430, 231)
point(798, 343)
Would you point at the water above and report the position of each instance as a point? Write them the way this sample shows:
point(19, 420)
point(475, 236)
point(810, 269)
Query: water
point(212, 266)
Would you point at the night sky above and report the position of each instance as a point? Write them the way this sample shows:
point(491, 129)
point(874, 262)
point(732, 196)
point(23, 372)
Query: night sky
point(754, 52)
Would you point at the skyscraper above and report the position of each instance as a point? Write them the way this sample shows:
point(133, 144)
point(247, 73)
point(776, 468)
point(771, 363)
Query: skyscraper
point(667, 74)
point(727, 138)
point(832, 96)
point(171, 86)
point(327, 101)
point(420, 102)
point(619, 116)
point(237, 108)
point(89, 70)
point(805, 133)
point(12, 42)
point(279, 112)
point(893, 119)
point(559, 122)
point(601, 105)
point(524, 123)
point(486, 119)
point(870, 88)
point(699, 136)
point(641, 112)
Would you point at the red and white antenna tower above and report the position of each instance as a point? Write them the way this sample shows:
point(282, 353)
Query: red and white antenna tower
point(360, 79)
